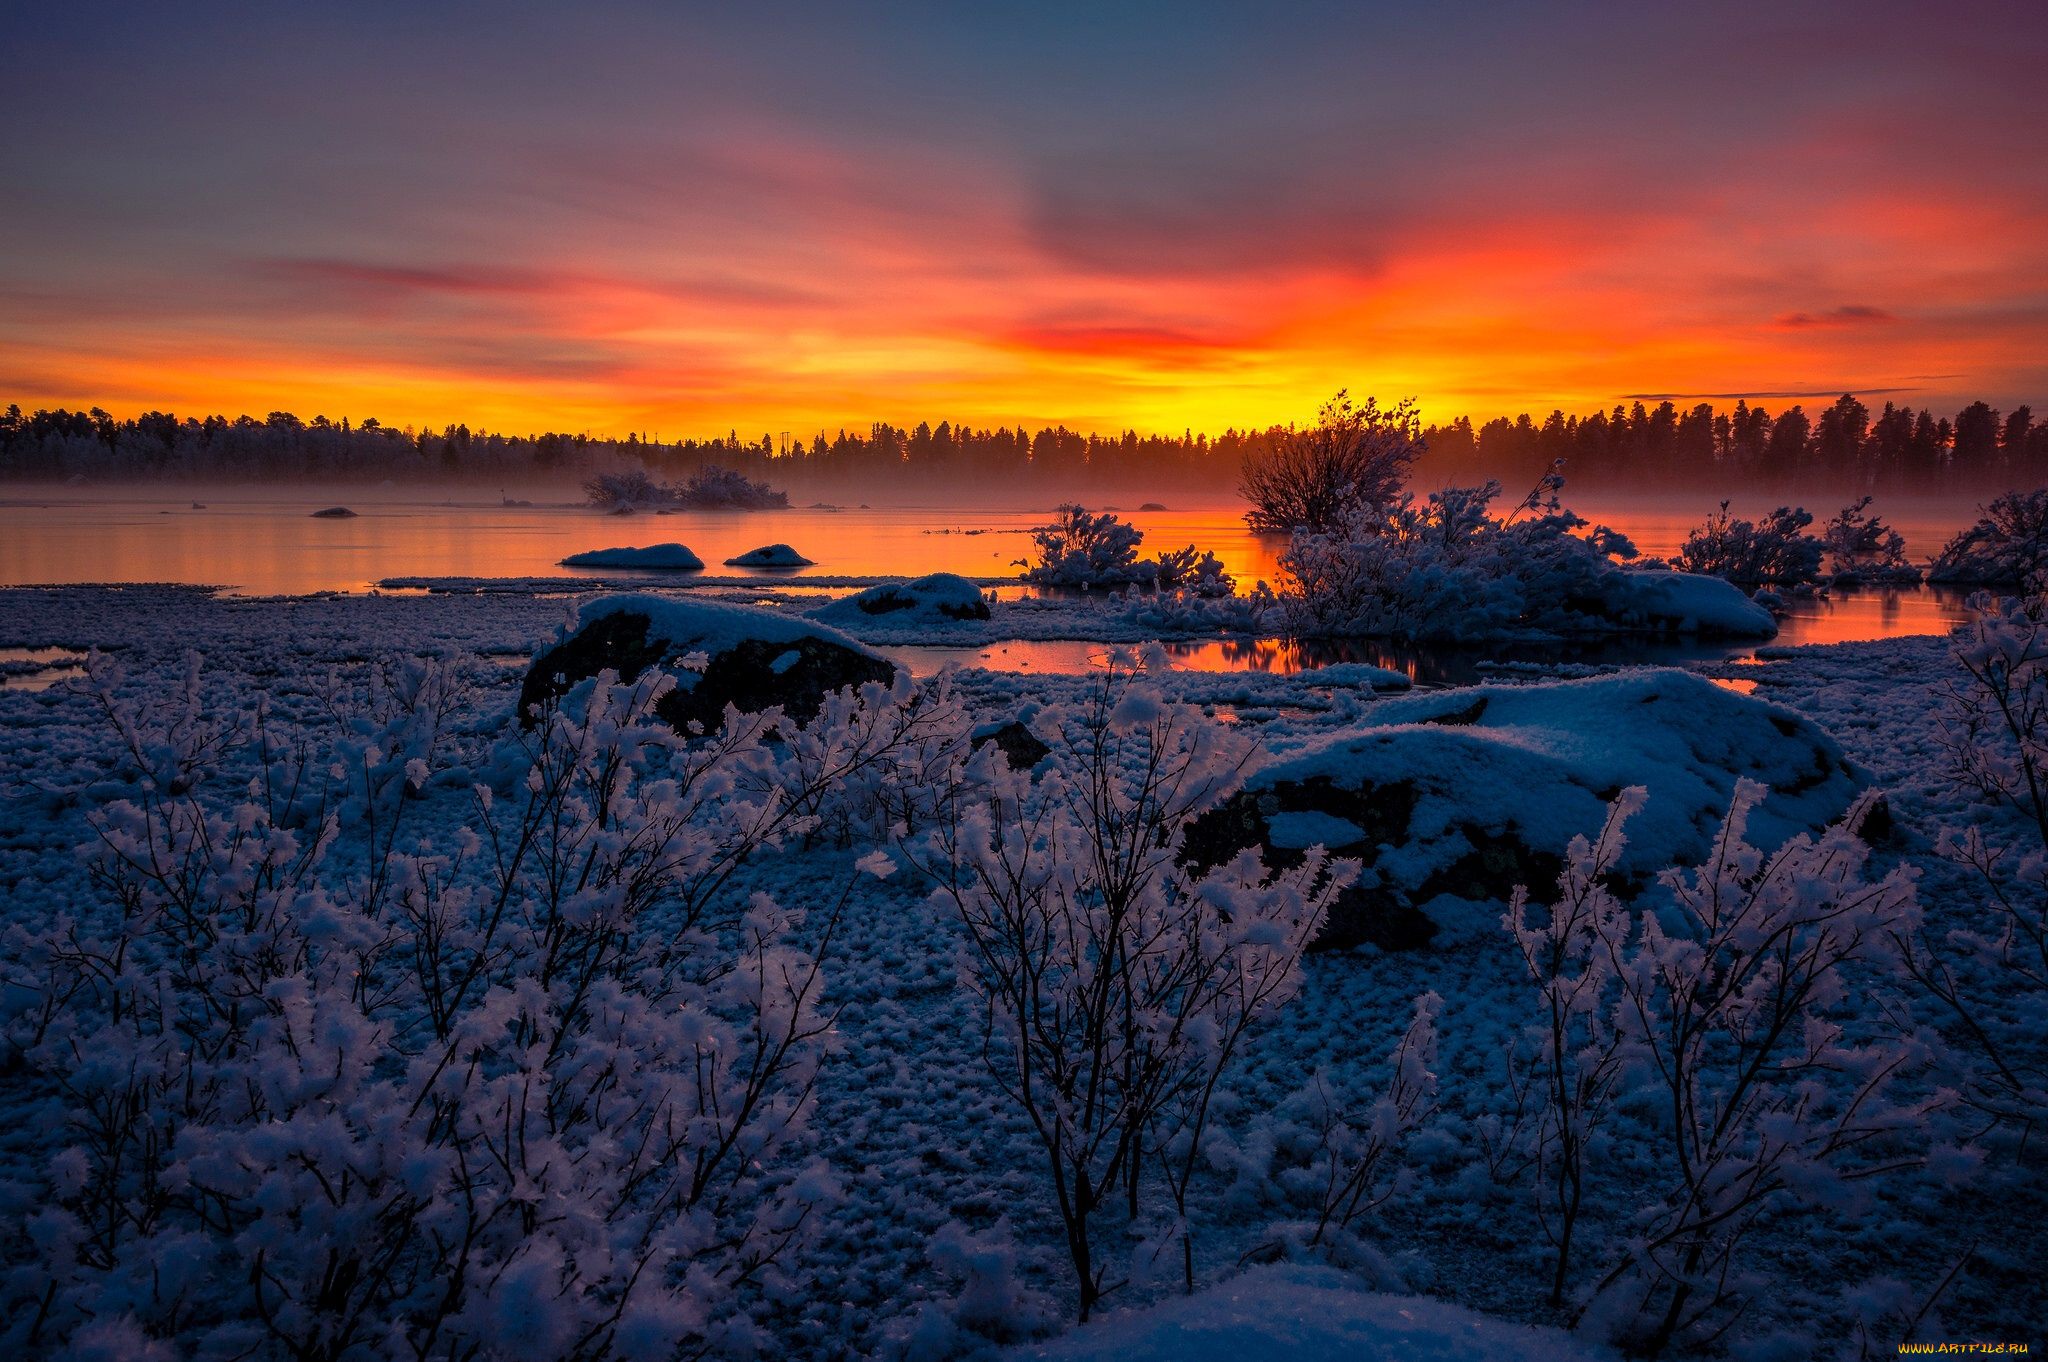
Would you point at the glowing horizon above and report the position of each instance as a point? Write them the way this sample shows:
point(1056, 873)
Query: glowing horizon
point(685, 225)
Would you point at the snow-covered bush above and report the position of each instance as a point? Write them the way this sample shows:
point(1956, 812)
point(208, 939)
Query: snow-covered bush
point(1203, 576)
point(1775, 550)
point(2007, 547)
point(993, 1305)
point(1996, 731)
point(1350, 1166)
point(1354, 459)
point(538, 1090)
point(1572, 957)
point(714, 488)
point(1115, 982)
point(1446, 569)
point(1723, 1003)
point(1860, 545)
point(1080, 549)
point(1191, 612)
point(631, 487)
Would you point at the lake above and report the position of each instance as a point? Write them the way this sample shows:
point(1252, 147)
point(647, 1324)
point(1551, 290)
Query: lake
point(263, 540)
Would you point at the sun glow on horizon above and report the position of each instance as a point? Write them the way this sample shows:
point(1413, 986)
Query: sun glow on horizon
point(715, 253)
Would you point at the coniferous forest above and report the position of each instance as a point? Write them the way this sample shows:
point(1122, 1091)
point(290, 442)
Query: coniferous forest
point(1844, 446)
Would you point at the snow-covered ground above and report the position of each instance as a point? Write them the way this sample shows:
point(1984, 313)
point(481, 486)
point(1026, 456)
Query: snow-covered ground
point(929, 1152)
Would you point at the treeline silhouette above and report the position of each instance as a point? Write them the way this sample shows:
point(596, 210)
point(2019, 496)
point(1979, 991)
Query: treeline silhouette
point(1844, 446)
point(1841, 447)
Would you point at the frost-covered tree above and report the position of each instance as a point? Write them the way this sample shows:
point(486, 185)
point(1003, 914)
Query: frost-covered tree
point(1114, 981)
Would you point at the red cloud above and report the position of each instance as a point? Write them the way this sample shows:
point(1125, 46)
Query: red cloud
point(1853, 315)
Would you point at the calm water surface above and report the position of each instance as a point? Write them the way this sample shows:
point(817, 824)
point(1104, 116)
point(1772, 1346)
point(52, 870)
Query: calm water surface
point(264, 541)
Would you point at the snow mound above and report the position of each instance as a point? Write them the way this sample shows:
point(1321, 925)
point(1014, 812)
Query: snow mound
point(1452, 798)
point(770, 555)
point(653, 556)
point(940, 599)
point(1538, 763)
point(1688, 603)
point(1303, 1314)
point(712, 627)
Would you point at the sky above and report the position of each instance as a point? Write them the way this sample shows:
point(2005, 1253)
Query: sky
point(683, 219)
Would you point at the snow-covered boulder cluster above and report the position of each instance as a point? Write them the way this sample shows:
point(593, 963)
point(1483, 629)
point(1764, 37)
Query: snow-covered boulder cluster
point(940, 599)
point(676, 557)
point(718, 654)
point(1453, 798)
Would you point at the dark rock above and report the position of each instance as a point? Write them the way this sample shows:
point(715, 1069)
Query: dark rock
point(1364, 914)
point(335, 513)
point(1017, 743)
point(791, 665)
point(1877, 826)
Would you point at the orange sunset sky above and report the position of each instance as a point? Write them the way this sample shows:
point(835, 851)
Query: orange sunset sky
point(674, 219)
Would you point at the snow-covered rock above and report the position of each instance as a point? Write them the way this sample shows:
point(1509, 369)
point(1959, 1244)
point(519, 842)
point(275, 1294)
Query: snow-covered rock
point(1294, 1313)
point(940, 599)
point(770, 555)
point(1467, 793)
point(1688, 603)
point(750, 657)
point(672, 556)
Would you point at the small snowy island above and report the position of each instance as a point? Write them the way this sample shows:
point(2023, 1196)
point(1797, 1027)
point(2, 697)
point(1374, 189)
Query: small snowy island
point(661, 557)
point(770, 556)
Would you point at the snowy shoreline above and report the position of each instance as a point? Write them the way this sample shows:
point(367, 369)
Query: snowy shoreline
point(907, 1115)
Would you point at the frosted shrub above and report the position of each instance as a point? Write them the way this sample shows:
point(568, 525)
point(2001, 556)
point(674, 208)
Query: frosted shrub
point(1572, 957)
point(714, 487)
point(538, 1092)
point(1204, 576)
point(1861, 545)
point(1764, 1099)
point(1775, 550)
point(1080, 549)
point(992, 1305)
point(631, 487)
point(1116, 984)
point(2007, 547)
point(1445, 569)
point(1352, 1159)
point(1194, 613)
point(1996, 731)
point(877, 761)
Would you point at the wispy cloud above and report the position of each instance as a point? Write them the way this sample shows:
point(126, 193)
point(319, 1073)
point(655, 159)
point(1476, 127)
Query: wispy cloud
point(1855, 314)
point(701, 220)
